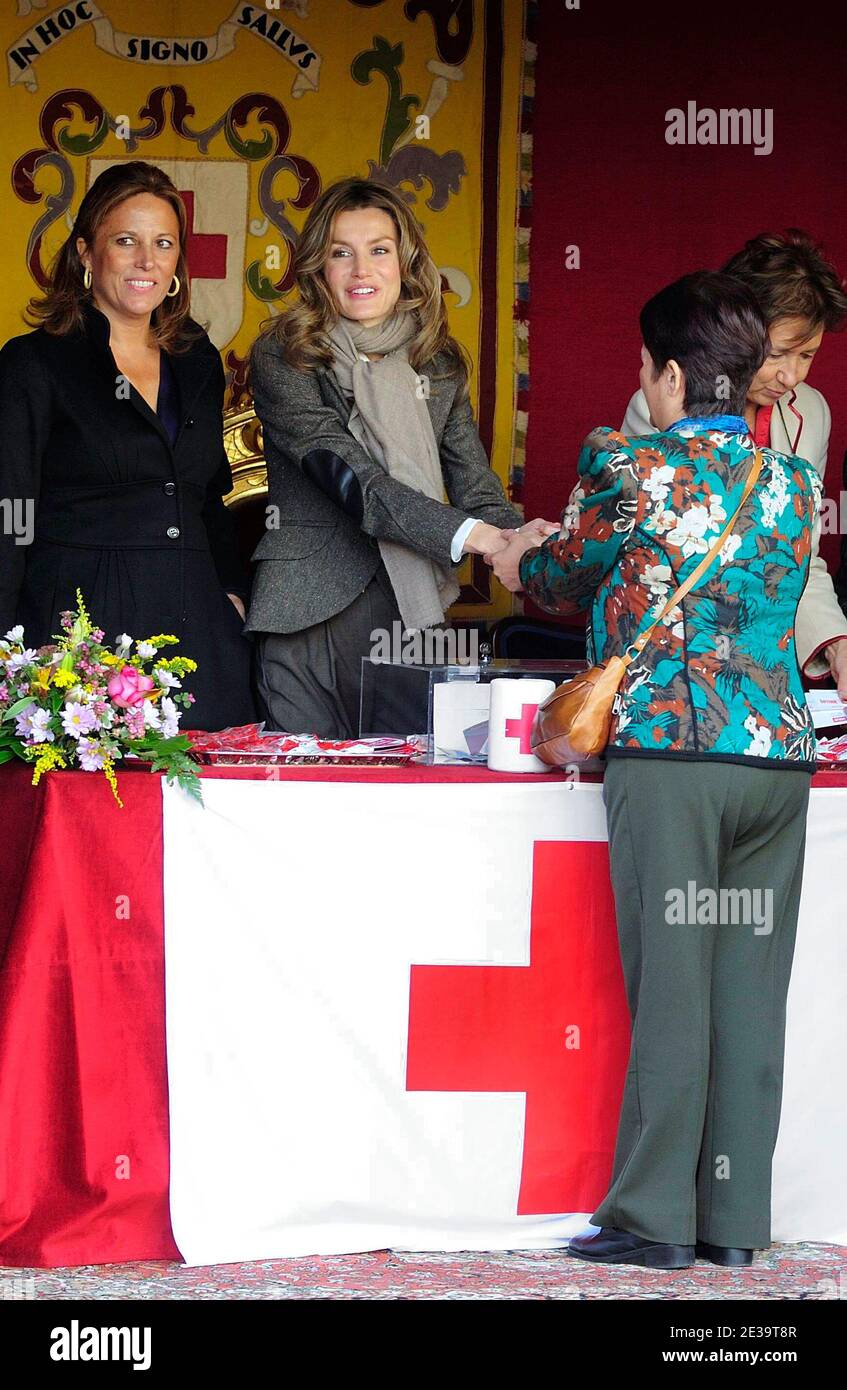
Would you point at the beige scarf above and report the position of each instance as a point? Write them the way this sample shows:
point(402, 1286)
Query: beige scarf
point(390, 419)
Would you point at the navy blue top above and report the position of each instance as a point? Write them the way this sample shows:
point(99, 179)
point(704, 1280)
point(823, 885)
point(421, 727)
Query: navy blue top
point(167, 402)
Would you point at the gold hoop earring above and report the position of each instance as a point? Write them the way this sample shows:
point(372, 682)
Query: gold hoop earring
point(171, 294)
point(86, 277)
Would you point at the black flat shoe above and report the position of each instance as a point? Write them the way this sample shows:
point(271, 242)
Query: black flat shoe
point(612, 1246)
point(724, 1254)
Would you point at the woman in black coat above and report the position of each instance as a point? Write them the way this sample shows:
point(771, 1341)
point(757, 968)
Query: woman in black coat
point(111, 461)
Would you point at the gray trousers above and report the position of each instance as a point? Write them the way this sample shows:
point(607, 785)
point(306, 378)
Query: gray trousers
point(310, 682)
point(703, 1089)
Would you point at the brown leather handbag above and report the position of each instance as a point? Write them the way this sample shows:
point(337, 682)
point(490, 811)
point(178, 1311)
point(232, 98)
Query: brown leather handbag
point(573, 723)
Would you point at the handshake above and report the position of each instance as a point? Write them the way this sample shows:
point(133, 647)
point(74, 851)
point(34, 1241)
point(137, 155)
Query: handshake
point(502, 549)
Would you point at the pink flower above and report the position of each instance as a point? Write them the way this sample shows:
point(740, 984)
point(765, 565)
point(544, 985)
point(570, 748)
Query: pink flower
point(127, 688)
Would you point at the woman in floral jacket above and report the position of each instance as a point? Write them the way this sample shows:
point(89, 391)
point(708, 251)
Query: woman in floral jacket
point(707, 782)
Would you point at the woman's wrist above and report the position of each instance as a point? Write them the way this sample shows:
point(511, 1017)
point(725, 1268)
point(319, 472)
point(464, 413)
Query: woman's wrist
point(485, 539)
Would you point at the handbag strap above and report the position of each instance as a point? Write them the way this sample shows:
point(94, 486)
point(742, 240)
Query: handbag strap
point(640, 643)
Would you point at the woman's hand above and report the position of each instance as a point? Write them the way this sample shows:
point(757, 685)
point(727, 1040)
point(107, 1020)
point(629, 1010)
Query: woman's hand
point(506, 562)
point(539, 528)
point(836, 655)
point(484, 539)
point(237, 604)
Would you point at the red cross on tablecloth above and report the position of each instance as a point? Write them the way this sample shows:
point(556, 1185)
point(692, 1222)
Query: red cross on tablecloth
point(522, 728)
point(513, 1028)
point(206, 251)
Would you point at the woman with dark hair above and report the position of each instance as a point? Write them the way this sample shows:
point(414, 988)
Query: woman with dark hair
point(112, 446)
point(378, 482)
point(801, 296)
point(709, 763)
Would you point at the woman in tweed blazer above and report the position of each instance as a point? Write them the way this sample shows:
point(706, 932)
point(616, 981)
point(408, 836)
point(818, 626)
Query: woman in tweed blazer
point(322, 587)
point(707, 780)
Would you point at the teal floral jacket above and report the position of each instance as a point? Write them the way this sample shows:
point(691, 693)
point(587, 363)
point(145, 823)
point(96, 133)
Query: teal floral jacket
point(719, 678)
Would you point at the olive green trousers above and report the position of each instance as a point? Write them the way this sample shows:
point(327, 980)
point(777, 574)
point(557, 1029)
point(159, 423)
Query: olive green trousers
point(707, 866)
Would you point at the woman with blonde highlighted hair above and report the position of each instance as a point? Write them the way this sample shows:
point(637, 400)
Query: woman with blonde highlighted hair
point(378, 481)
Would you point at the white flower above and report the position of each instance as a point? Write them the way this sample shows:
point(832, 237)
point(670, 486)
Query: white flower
point(690, 530)
point(170, 718)
point(166, 678)
point(662, 520)
point(761, 741)
point(728, 549)
point(20, 659)
point(775, 496)
point(33, 723)
point(123, 642)
point(145, 650)
point(152, 718)
point(657, 578)
point(716, 511)
point(78, 719)
point(571, 515)
point(657, 485)
point(90, 755)
point(15, 634)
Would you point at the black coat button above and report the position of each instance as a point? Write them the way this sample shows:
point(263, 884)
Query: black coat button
point(188, 424)
point(170, 489)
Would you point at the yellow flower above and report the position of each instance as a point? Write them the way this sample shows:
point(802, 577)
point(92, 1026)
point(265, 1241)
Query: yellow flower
point(163, 639)
point(109, 769)
point(63, 679)
point(44, 758)
point(41, 679)
point(178, 664)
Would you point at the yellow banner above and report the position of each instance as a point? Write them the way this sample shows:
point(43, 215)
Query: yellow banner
point(254, 108)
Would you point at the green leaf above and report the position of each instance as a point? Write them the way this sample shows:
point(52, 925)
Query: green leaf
point(189, 781)
point(23, 703)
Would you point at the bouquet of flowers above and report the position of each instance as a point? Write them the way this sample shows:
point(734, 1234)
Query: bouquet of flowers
point(77, 704)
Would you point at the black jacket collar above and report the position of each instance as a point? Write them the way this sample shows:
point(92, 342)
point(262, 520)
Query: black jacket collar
point(191, 368)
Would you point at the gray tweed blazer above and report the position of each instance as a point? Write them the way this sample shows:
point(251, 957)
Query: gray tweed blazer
point(330, 502)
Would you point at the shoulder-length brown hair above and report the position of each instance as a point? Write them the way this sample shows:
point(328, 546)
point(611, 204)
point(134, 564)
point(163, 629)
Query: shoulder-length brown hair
point(60, 309)
point(302, 328)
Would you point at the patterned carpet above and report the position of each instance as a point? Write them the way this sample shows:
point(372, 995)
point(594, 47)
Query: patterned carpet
point(783, 1272)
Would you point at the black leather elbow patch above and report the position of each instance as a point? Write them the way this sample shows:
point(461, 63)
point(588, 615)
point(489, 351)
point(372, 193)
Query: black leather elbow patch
point(336, 478)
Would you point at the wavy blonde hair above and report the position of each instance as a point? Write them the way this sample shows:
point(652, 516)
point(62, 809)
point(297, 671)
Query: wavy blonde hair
point(60, 309)
point(302, 329)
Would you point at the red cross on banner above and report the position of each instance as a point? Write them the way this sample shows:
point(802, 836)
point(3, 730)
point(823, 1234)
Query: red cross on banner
point(205, 252)
point(557, 1029)
point(522, 728)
